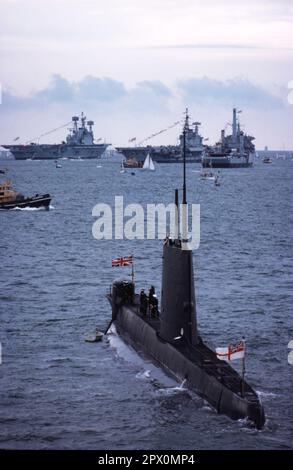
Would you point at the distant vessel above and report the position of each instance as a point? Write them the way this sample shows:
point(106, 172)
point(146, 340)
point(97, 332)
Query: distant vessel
point(148, 163)
point(79, 144)
point(11, 199)
point(217, 181)
point(207, 175)
point(132, 163)
point(267, 160)
point(170, 153)
point(233, 151)
point(122, 169)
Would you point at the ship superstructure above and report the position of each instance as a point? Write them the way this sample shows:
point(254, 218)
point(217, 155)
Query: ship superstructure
point(233, 151)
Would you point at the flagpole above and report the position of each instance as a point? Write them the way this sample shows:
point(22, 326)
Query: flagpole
point(132, 270)
point(243, 369)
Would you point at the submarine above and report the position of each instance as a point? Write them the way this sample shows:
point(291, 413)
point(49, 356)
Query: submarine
point(171, 340)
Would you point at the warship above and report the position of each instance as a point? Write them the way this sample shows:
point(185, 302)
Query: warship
point(79, 144)
point(170, 337)
point(169, 153)
point(233, 151)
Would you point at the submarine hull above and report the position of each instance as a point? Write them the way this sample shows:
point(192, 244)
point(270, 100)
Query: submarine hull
point(144, 337)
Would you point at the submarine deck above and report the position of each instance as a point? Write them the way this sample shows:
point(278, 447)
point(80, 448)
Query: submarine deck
point(201, 355)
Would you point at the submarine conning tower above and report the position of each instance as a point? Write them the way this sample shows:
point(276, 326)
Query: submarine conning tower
point(178, 311)
point(178, 308)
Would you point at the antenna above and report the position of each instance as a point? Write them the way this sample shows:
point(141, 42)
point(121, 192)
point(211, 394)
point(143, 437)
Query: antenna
point(177, 222)
point(184, 158)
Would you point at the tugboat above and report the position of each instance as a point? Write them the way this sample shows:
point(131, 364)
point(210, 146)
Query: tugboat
point(11, 199)
point(170, 338)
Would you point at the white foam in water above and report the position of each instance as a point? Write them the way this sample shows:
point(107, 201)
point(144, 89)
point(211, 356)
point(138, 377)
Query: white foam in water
point(173, 390)
point(28, 208)
point(144, 375)
point(266, 394)
point(169, 391)
point(148, 369)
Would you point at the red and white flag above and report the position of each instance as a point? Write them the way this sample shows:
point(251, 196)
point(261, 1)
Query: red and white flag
point(125, 261)
point(232, 352)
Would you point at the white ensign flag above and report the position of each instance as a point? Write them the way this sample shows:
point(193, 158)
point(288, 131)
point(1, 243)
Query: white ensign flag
point(231, 352)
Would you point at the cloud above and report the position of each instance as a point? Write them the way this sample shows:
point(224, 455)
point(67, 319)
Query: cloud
point(216, 46)
point(146, 96)
point(206, 46)
point(236, 91)
point(101, 89)
point(59, 89)
point(155, 87)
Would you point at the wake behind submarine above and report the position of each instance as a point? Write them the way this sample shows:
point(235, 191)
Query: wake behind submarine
point(171, 338)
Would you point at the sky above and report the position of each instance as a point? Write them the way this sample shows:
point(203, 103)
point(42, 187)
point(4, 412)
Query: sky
point(133, 66)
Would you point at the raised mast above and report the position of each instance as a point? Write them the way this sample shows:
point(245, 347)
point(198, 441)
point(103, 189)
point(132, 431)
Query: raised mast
point(184, 157)
point(178, 312)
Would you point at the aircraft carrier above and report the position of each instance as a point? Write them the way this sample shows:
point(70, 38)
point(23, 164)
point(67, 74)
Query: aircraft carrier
point(170, 153)
point(79, 144)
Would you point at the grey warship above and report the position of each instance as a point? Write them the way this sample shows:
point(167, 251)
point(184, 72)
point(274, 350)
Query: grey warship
point(233, 151)
point(79, 144)
point(170, 153)
point(171, 338)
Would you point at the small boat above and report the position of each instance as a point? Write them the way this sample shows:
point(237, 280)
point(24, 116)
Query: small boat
point(132, 163)
point(58, 165)
point(207, 175)
point(98, 336)
point(217, 181)
point(11, 199)
point(267, 160)
point(148, 163)
point(122, 170)
point(2, 172)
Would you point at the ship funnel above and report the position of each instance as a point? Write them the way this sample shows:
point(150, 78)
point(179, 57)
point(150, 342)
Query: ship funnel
point(234, 125)
point(90, 124)
point(75, 119)
point(223, 136)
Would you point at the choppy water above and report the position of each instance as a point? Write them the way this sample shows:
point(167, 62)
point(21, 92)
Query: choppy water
point(58, 391)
